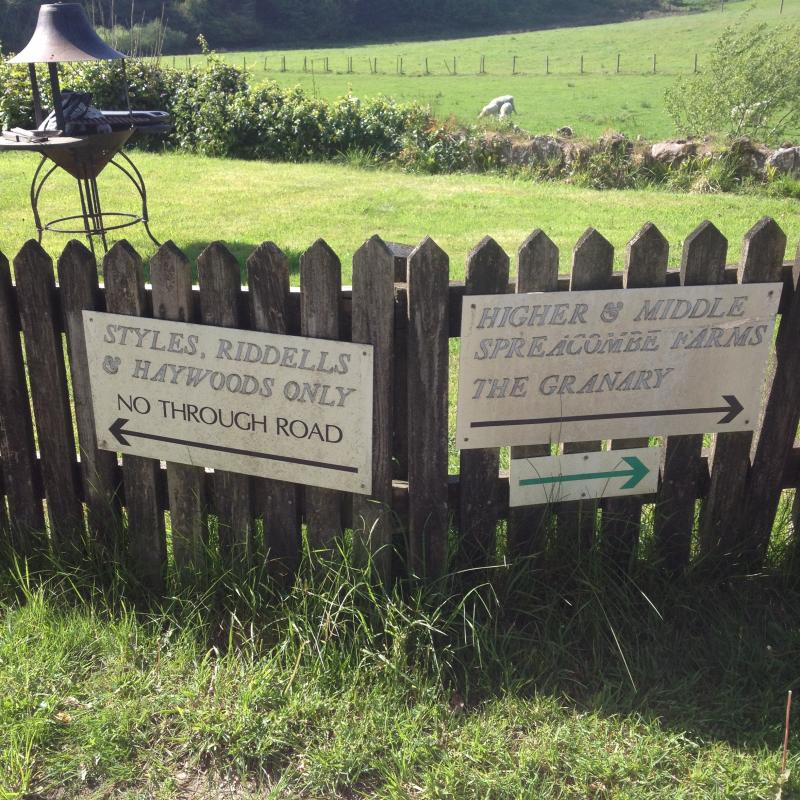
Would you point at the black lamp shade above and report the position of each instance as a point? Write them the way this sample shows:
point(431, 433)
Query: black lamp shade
point(64, 33)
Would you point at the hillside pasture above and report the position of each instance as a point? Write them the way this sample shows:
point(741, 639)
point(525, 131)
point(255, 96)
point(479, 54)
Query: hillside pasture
point(630, 101)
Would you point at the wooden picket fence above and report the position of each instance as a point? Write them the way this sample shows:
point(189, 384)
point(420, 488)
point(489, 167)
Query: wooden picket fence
point(404, 304)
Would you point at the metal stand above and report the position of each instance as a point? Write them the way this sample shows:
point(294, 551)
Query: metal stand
point(96, 222)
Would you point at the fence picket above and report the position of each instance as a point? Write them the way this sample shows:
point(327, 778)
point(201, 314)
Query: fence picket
point(428, 280)
point(320, 287)
point(17, 449)
point(220, 285)
point(537, 271)
point(45, 359)
point(592, 265)
point(487, 273)
point(702, 263)
point(268, 283)
point(171, 276)
point(778, 431)
point(147, 551)
point(762, 258)
point(77, 277)
point(373, 323)
point(646, 259)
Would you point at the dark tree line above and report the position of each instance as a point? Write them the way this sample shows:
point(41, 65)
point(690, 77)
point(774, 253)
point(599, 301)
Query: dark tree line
point(260, 23)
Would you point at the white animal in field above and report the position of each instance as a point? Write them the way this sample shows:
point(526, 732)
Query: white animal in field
point(495, 106)
point(506, 110)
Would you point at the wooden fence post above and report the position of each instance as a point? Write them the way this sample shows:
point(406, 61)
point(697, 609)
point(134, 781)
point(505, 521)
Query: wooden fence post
point(428, 378)
point(147, 550)
point(171, 276)
point(373, 323)
point(220, 285)
point(776, 438)
point(703, 263)
point(48, 381)
point(646, 259)
point(320, 287)
point(268, 283)
point(592, 265)
point(487, 273)
point(77, 276)
point(762, 259)
point(17, 449)
point(537, 271)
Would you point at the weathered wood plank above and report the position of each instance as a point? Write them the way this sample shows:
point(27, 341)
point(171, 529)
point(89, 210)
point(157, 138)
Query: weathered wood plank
point(646, 259)
point(592, 265)
point(77, 277)
point(268, 282)
point(220, 286)
point(776, 438)
point(537, 271)
point(48, 383)
point(320, 287)
point(702, 263)
point(428, 274)
point(147, 550)
point(487, 273)
point(762, 258)
point(171, 276)
point(373, 323)
point(17, 449)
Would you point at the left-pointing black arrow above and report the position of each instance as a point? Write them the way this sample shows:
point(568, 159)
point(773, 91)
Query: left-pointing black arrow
point(732, 410)
point(121, 434)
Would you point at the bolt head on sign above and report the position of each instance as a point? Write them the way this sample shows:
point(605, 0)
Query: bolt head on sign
point(285, 407)
point(576, 366)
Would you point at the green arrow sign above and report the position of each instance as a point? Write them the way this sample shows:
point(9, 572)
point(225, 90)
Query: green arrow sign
point(638, 470)
point(584, 476)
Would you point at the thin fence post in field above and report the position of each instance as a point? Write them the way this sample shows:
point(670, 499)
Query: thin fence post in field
point(373, 323)
point(428, 378)
point(695, 63)
point(703, 263)
point(537, 271)
point(619, 57)
point(581, 64)
point(77, 277)
point(487, 273)
point(426, 66)
point(547, 65)
point(17, 449)
point(646, 260)
point(147, 550)
point(277, 501)
point(654, 63)
point(44, 355)
point(171, 276)
point(220, 286)
point(320, 289)
point(762, 260)
point(592, 265)
point(514, 65)
point(777, 435)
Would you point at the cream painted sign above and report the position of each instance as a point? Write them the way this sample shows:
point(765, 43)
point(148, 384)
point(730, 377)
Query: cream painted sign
point(582, 476)
point(575, 366)
point(284, 407)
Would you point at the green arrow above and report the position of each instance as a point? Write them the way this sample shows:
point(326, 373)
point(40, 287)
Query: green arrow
point(634, 475)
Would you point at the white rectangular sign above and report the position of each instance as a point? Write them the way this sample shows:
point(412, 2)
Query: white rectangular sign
point(575, 366)
point(583, 476)
point(285, 407)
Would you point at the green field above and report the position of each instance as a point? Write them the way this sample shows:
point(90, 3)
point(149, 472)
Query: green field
point(600, 99)
point(195, 200)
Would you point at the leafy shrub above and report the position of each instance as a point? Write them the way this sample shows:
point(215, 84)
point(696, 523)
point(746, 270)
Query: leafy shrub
point(748, 88)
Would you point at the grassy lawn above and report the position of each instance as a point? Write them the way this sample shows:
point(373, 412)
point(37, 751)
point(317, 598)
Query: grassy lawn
point(195, 200)
point(559, 684)
point(631, 101)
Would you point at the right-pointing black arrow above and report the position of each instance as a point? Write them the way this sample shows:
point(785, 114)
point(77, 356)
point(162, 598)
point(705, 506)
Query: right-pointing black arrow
point(732, 410)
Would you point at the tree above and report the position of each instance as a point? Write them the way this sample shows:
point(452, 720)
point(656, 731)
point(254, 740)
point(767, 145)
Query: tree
point(748, 87)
